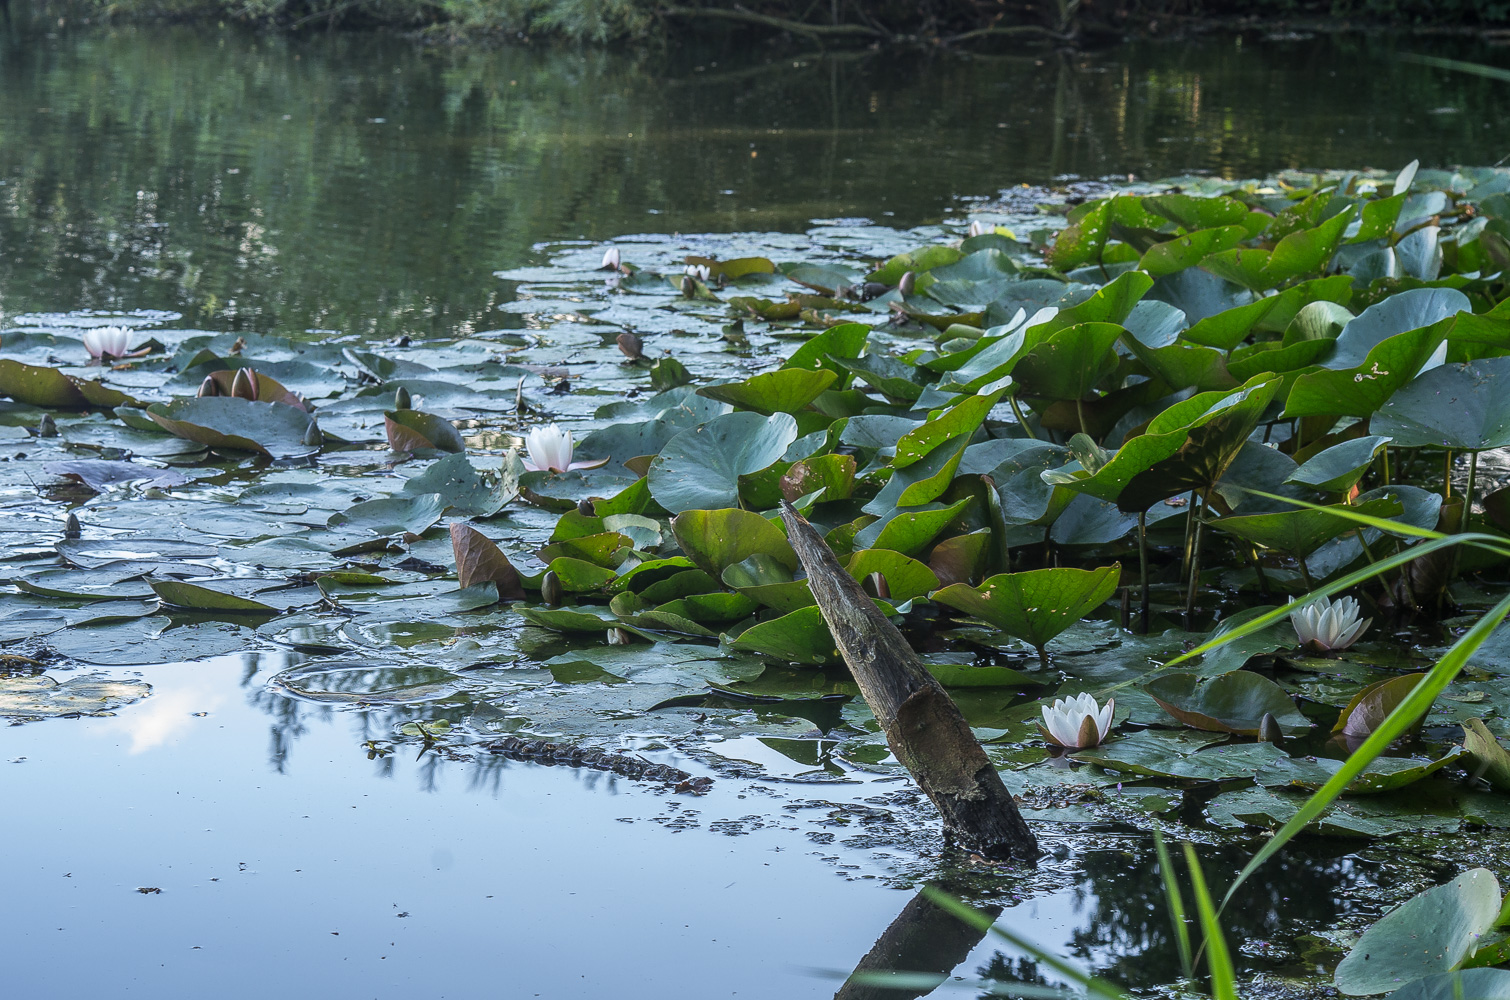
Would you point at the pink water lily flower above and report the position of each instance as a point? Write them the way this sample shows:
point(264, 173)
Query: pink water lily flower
point(550, 450)
point(107, 341)
point(1077, 723)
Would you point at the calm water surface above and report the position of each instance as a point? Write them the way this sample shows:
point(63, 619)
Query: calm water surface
point(361, 185)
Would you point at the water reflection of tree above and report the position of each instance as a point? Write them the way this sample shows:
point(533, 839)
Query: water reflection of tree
point(244, 178)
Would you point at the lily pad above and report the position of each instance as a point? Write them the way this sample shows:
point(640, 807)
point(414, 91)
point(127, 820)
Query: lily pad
point(1234, 702)
point(1454, 406)
point(701, 466)
point(1035, 605)
point(228, 422)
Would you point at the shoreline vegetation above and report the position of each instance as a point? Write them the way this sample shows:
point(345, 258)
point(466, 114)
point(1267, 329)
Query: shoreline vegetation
point(835, 22)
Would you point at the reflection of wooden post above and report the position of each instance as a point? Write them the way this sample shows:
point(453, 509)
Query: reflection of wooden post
point(922, 724)
point(923, 938)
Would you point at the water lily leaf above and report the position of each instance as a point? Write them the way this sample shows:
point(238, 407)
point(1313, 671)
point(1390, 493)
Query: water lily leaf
point(1490, 758)
point(847, 340)
point(580, 576)
point(411, 430)
point(1428, 934)
point(964, 418)
point(608, 549)
point(1233, 702)
point(964, 675)
point(1188, 250)
point(1229, 327)
point(38, 386)
point(910, 531)
point(798, 637)
point(152, 639)
point(715, 607)
point(917, 261)
point(786, 390)
point(1301, 531)
point(1361, 816)
point(1480, 984)
point(1204, 368)
point(763, 578)
point(1385, 774)
point(734, 269)
point(833, 474)
point(1151, 754)
point(1035, 605)
point(701, 466)
point(177, 594)
point(717, 539)
point(1360, 391)
point(463, 488)
point(228, 422)
point(479, 560)
point(895, 379)
point(269, 389)
point(392, 515)
point(1373, 704)
point(89, 585)
point(1192, 212)
point(1081, 241)
point(584, 619)
point(921, 482)
point(1412, 309)
point(1338, 468)
point(1454, 406)
point(1069, 363)
point(44, 697)
point(1304, 252)
point(905, 578)
point(100, 475)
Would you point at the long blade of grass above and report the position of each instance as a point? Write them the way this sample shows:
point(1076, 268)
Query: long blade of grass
point(1415, 705)
point(1477, 69)
point(1176, 904)
point(1218, 958)
point(981, 922)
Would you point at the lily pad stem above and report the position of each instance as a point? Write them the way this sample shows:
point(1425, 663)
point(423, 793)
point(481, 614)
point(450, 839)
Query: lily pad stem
point(1195, 561)
point(1447, 475)
point(1022, 420)
point(1473, 471)
point(1143, 566)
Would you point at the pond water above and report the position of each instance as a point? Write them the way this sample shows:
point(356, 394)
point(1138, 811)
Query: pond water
point(245, 823)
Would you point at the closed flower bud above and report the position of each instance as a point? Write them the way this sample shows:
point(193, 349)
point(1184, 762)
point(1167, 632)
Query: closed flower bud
point(550, 589)
point(631, 345)
point(908, 283)
point(244, 385)
point(401, 399)
point(47, 427)
point(71, 527)
point(618, 637)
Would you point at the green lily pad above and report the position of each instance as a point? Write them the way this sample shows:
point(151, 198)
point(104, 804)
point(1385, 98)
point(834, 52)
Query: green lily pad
point(38, 386)
point(798, 637)
point(1151, 754)
point(228, 422)
point(1385, 774)
point(1234, 702)
point(1302, 530)
point(786, 390)
point(717, 539)
point(392, 515)
point(1454, 406)
point(44, 696)
point(1430, 933)
point(1035, 605)
point(412, 430)
point(701, 466)
point(189, 596)
point(1338, 468)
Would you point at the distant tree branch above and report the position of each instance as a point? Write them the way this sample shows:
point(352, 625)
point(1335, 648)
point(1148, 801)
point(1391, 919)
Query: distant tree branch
point(741, 14)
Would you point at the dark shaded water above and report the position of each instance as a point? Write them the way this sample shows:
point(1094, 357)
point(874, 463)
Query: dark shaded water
point(361, 184)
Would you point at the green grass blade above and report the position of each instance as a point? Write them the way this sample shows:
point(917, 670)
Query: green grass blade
point(1416, 704)
point(974, 918)
point(1477, 69)
point(1176, 905)
point(1218, 958)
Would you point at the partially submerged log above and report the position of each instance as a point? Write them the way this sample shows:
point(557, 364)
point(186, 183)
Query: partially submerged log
point(922, 724)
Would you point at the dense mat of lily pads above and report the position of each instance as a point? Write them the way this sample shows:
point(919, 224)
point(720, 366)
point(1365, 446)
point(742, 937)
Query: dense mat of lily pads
point(1011, 434)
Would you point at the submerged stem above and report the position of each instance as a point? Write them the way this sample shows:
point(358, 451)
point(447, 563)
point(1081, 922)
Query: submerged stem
point(1021, 420)
point(1195, 562)
point(1143, 564)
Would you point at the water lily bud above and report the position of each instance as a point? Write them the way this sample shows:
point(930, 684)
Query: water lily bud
point(47, 427)
point(1268, 730)
point(312, 435)
point(550, 589)
point(209, 387)
point(689, 287)
point(244, 385)
point(610, 259)
point(632, 346)
point(401, 399)
point(618, 637)
point(585, 508)
point(520, 406)
point(873, 289)
point(877, 586)
point(71, 527)
point(908, 283)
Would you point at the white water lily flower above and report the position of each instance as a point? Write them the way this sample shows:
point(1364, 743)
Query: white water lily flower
point(550, 450)
point(1077, 722)
point(610, 259)
point(979, 228)
point(700, 272)
point(107, 341)
point(1323, 625)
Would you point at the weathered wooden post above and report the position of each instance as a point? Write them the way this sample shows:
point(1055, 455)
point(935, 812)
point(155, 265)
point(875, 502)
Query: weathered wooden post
point(922, 724)
point(923, 938)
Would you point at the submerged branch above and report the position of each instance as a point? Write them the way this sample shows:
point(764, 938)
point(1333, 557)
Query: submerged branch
point(745, 16)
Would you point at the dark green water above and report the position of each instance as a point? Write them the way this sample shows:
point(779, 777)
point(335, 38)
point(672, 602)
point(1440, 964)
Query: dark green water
point(365, 185)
